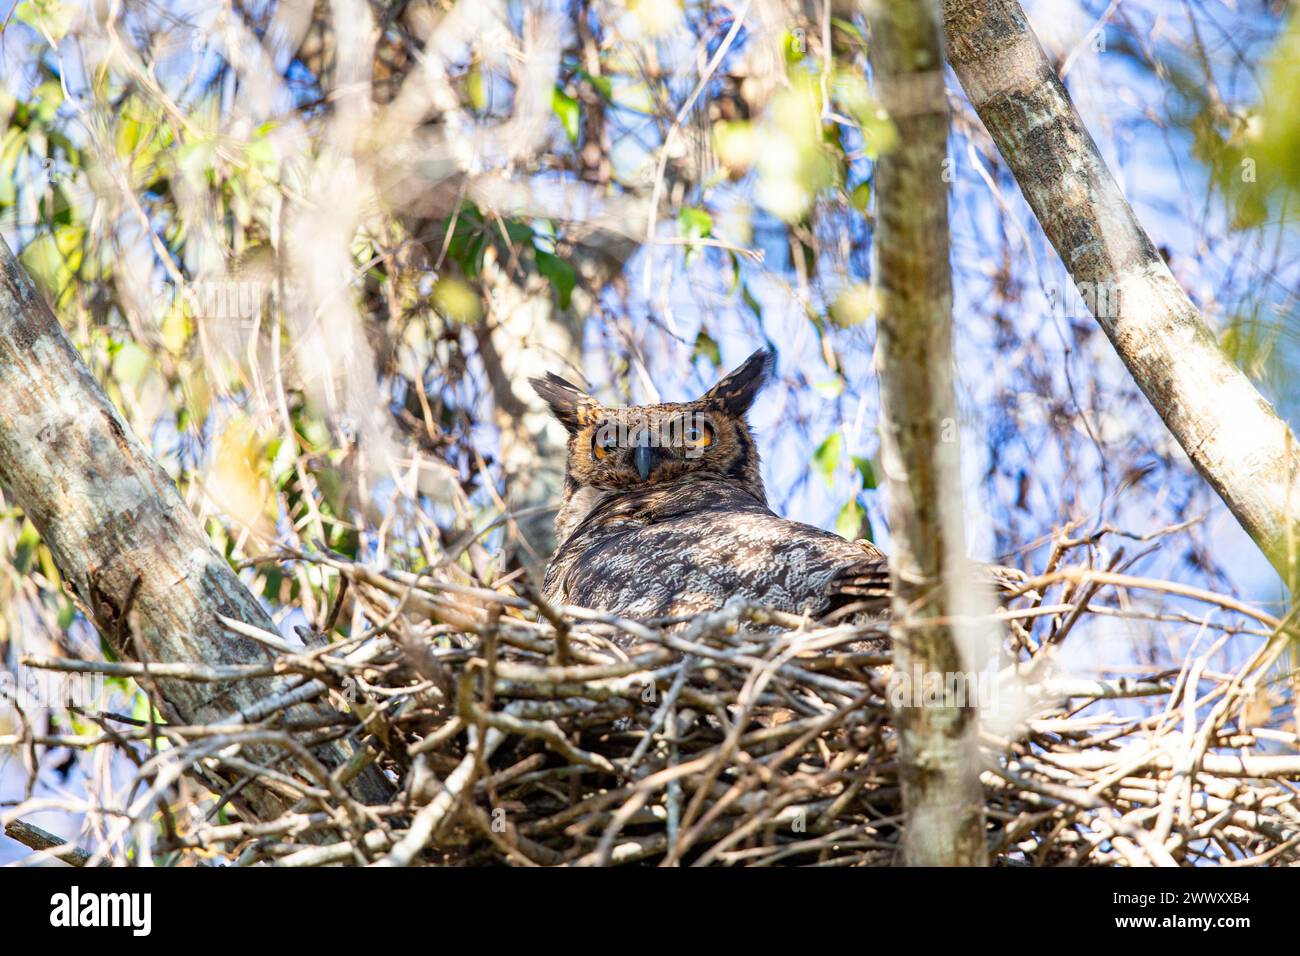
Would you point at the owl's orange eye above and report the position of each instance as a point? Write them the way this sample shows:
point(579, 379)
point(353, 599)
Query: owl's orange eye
point(602, 443)
point(698, 435)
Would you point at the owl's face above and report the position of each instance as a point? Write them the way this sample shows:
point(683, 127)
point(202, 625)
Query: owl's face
point(613, 449)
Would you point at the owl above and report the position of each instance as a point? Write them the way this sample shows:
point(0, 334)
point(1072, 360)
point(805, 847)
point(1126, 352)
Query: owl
point(664, 514)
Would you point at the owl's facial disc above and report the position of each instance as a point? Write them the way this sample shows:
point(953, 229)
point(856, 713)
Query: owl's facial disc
point(614, 451)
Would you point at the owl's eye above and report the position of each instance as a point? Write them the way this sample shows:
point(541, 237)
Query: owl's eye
point(698, 435)
point(602, 443)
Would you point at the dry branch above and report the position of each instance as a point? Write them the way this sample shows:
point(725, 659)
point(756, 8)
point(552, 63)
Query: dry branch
point(127, 546)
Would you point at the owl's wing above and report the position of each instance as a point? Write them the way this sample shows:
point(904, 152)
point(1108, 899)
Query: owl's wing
point(865, 587)
point(861, 586)
point(677, 550)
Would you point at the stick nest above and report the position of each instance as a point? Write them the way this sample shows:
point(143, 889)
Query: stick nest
point(513, 734)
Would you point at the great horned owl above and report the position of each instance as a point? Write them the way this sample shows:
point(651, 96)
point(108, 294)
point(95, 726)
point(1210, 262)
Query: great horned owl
point(664, 514)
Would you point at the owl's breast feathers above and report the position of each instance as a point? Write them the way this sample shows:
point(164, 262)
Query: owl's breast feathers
point(688, 546)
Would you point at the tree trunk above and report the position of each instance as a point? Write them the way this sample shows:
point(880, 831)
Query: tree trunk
point(938, 744)
point(1232, 435)
point(126, 544)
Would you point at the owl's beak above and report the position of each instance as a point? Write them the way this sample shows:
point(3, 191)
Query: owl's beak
point(645, 457)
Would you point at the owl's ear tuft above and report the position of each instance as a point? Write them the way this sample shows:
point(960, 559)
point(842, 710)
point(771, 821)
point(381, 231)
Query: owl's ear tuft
point(570, 404)
point(737, 391)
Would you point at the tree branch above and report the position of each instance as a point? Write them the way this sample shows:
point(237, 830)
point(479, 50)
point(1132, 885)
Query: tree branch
point(1232, 435)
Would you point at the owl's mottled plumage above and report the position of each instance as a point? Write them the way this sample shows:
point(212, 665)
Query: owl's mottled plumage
point(664, 514)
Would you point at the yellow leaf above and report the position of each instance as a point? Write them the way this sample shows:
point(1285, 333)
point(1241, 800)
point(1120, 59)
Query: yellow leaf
point(236, 482)
point(457, 301)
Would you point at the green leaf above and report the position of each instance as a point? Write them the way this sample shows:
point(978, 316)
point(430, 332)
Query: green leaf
point(748, 298)
point(707, 346)
point(51, 18)
point(695, 223)
point(12, 147)
point(866, 470)
point(601, 84)
point(468, 240)
point(260, 153)
point(855, 304)
point(860, 198)
point(830, 388)
point(635, 98)
point(561, 275)
point(519, 233)
point(878, 131)
point(457, 301)
point(67, 614)
point(850, 28)
point(795, 44)
point(195, 158)
point(476, 89)
point(466, 250)
point(567, 109)
point(53, 258)
point(29, 540)
point(852, 522)
point(131, 364)
point(144, 711)
point(47, 99)
point(827, 456)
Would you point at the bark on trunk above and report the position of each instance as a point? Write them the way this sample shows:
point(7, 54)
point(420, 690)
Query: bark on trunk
point(938, 745)
point(1232, 435)
point(124, 540)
